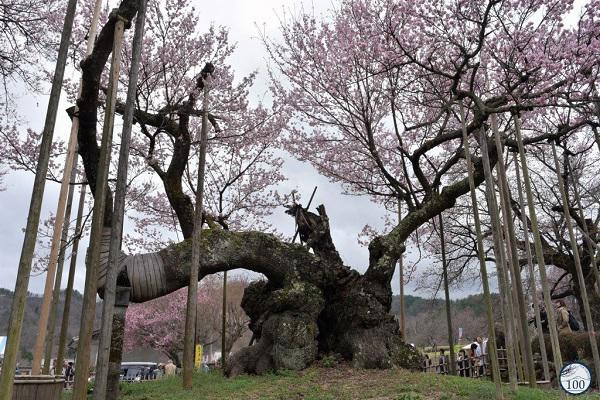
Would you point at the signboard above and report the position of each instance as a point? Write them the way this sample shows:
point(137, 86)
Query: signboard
point(575, 378)
point(460, 333)
point(198, 356)
point(2, 345)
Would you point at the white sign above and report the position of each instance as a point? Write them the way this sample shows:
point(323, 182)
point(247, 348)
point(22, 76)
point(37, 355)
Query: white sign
point(2, 345)
point(575, 378)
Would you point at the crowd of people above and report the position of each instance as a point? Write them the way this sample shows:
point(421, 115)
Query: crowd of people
point(132, 373)
point(471, 360)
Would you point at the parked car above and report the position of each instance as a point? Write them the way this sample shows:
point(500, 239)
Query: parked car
point(138, 371)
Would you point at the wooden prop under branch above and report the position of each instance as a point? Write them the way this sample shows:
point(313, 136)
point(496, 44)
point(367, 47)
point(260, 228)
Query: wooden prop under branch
point(481, 255)
point(580, 278)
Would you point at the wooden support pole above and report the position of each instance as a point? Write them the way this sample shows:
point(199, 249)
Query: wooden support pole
point(116, 346)
point(306, 208)
point(588, 240)
point(580, 278)
point(59, 271)
point(532, 280)
point(597, 109)
point(401, 282)
point(515, 331)
point(512, 298)
point(506, 300)
point(447, 297)
point(91, 276)
point(62, 342)
point(64, 326)
point(17, 310)
point(192, 299)
point(539, 251)
point(40, 340)
point(118, 216)
point(492, 349)
point(515, 269)
point(224, 322)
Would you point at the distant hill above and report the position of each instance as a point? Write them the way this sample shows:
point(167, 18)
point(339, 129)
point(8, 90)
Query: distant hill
point(415, 305)
point(426, 318)
point(32, 313)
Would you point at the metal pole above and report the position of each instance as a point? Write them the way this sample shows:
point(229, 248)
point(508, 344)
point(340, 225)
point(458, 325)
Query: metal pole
point(481, 255)
point(539, 251)
point(38, 348)
point(59, 271)
point(447, 296)
point(17, 311)
point(192, 299)
point(532, 283)
point(64, 327)
point(110, 286)
point(580, 278)
point(515, 268)
point(89, 295)
point(506, 300)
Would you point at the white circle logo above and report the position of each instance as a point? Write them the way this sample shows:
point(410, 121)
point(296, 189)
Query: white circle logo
point(575, 378)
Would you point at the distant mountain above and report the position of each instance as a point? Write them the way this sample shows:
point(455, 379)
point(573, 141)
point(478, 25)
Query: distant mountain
point(415, 305)
point(32, 313)
point(426, 318)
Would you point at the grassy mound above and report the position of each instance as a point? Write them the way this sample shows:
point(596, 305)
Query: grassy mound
point(341, 382)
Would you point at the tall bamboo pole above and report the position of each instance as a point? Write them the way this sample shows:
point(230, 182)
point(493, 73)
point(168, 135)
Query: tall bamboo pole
point(17, 311)
point(40, 340)
point(59, 271)
point(91, 276)
point(539, 251)
point(506, 300)
point(588, 239)
point(401, 283)
point(64, 327)
point(447, 297)
point(74, 129)
point(532, 283)
point(515, 327)
point(514, 314)
point(515, 268)
point(110, 287)
point(492, 350)
point(192, 299)
point(224, 322)
point(597, 109)
point(580, 278)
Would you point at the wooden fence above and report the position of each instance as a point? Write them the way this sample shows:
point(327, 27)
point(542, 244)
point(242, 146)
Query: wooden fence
point(469, 366)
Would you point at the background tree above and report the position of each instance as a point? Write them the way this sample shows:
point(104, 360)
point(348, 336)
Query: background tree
point(159, 324)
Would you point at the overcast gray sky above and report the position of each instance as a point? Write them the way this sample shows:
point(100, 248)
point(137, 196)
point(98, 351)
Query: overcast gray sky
point(348, 214)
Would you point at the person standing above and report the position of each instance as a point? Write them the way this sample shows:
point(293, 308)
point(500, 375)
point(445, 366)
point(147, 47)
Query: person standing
point(69, 373)
point(474, 359)
point(562, 318)
point(543, 319)
point(170, 368)
point(442, 362)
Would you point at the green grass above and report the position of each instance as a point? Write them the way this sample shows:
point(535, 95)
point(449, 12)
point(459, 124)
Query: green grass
point(331, 383)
